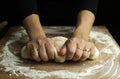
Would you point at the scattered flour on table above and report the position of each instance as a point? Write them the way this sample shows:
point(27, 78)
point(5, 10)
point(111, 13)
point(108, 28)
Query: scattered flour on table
point(10, 61)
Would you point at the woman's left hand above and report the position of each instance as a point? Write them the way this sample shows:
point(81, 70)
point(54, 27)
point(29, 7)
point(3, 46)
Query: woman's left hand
point(77, 49)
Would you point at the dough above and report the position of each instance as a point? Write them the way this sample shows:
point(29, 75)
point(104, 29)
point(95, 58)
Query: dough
point(96, 54)
point(59, 41)
point(23, 53)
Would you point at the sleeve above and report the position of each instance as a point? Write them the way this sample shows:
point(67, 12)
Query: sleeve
point(27, 7)
point(90, 5)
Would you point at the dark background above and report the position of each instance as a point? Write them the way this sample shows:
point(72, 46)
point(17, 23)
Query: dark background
point(107, 14)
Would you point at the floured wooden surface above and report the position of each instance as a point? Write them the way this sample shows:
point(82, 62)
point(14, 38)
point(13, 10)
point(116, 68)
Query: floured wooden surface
point(107, 66)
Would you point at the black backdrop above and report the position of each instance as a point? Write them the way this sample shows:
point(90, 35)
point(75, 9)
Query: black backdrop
point(107, 14)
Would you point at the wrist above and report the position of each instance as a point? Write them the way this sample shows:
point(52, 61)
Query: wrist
point(33, 26)
point(35, 33)
point(84, 24)
point(81, 32)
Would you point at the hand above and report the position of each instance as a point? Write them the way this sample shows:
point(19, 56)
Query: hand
point(77, 49)
point(41, 49)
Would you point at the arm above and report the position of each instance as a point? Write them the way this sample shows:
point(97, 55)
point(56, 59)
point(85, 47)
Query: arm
point(30, 18)
point(39, 47)
point(86, 18)
point(84, 24)
point(33, 26)
point(78, 47)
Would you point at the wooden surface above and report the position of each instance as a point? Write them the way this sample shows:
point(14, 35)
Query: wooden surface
point(50, 66)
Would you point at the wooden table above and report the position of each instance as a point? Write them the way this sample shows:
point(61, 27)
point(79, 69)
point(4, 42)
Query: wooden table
point(107, 71)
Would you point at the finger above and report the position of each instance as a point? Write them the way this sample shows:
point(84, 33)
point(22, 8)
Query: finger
point(77, 55)
point(57, 48)
point(42, 51)
point(28, 47)
point(81, 45)
point(50, 50)
point(63, 51)
point(34, 53)
point(71, 48)
point(92, 51)
point(85, 55)
point(88, 48)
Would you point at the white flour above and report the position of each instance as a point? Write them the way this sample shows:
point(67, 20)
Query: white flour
point(10, 62)
point(103, 38)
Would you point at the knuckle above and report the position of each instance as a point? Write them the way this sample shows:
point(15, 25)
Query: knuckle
point(48, 39)
point(39, 42)
point(83, 41)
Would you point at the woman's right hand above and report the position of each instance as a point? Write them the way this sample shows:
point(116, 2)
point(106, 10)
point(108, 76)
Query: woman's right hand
point(41, 49)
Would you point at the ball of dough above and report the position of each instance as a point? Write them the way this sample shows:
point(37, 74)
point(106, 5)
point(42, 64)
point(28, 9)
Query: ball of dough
point(59, 58)
point(59, 41)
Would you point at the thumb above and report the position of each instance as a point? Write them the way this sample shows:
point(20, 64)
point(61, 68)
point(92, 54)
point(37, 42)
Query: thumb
point(57, 49)
point(63, 50)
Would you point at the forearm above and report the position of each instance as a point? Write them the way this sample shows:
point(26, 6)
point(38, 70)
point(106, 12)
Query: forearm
point(84, 24)
point(33, 26)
